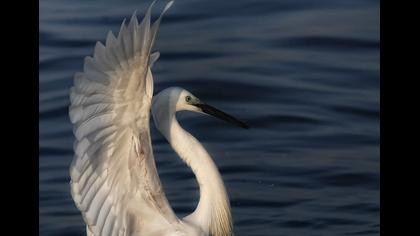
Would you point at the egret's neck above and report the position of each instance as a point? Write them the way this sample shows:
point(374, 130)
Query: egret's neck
point(213, 211)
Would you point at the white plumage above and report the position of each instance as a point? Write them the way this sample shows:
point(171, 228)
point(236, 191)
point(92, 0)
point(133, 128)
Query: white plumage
point(114, 181)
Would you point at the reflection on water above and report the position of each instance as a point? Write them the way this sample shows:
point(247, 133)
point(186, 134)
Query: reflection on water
point(305, 76)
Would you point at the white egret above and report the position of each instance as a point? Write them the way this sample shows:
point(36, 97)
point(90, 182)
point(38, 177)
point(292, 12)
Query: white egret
point(114, 181)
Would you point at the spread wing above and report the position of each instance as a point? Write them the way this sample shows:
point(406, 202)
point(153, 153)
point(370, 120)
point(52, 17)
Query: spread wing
point(114, 181)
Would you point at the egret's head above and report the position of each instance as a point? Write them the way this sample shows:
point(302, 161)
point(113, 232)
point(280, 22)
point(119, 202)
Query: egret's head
point(182, 100)
point(186, 101)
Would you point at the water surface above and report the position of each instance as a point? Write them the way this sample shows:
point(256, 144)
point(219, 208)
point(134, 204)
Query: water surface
point(304, 75)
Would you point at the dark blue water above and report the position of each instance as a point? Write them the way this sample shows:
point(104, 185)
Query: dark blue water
point(304, 74)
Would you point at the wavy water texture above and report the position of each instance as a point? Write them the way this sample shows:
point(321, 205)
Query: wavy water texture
point(303, 74)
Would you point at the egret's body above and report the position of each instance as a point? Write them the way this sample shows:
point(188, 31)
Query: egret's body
point(114, 181)
point(213, 209)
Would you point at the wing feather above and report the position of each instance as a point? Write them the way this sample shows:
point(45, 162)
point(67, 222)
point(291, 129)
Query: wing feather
point(113, 170)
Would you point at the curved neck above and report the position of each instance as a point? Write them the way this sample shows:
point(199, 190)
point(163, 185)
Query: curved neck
point(213, 211)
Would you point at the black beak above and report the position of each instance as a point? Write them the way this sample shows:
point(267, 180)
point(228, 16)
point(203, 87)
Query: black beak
point(221, 115)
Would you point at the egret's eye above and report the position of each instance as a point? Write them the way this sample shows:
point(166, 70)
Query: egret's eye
point(188, 98)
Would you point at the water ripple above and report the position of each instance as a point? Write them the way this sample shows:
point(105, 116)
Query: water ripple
point(326, 43)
